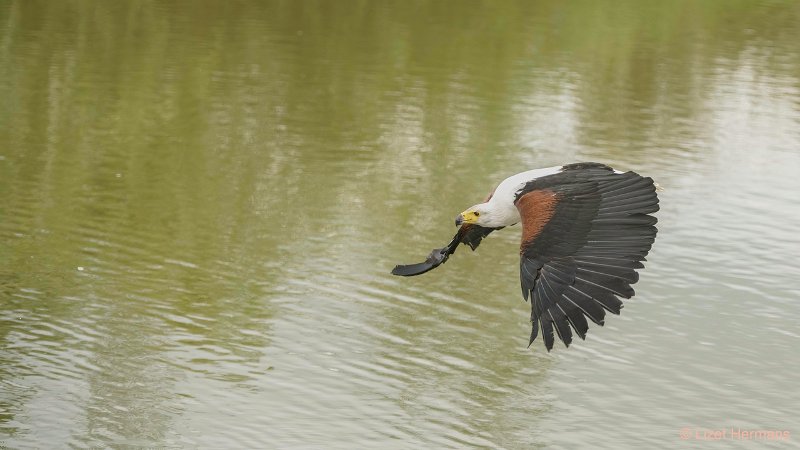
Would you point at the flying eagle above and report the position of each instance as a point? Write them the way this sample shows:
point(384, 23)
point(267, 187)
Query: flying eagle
point(586, 228)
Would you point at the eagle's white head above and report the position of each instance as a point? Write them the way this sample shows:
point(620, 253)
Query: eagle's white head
point(492, 214)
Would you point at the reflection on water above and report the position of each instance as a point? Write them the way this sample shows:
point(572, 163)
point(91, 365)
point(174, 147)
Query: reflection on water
point(200, 204)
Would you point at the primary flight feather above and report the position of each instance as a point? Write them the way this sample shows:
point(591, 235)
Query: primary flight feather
point(586, 228)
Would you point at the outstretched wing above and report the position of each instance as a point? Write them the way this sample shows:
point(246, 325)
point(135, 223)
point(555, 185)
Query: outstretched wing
point(585, 231)
point(469, 234)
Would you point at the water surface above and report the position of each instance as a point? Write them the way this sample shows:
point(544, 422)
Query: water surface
point(200, 204)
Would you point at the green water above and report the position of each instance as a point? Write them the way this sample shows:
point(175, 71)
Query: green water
point(200, 204)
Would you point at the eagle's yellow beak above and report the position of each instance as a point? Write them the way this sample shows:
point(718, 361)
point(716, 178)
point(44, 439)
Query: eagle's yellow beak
point(468, 216)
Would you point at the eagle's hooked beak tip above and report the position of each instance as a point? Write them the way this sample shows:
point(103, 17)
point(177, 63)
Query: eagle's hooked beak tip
point(459, 220)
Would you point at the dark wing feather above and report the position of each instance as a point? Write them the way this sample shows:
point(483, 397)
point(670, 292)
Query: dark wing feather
point(585, 232)
point(468, 234)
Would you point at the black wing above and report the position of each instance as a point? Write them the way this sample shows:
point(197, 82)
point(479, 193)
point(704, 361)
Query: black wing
point(585, 232)
point(469, 234)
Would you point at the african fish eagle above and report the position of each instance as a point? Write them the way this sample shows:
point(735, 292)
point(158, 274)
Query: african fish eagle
point(586, 228)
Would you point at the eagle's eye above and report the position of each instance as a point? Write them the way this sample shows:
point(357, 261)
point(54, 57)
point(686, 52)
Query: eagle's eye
point(477, 214)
